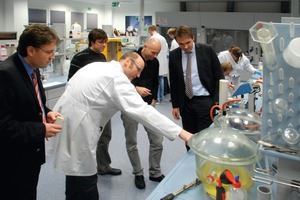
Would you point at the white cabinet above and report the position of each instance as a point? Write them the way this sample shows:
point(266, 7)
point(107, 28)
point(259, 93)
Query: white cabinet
point(56, 66)
point(53, 95)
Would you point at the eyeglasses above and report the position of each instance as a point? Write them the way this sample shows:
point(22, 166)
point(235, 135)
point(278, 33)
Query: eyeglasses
point(139, 69)
point(49, 52)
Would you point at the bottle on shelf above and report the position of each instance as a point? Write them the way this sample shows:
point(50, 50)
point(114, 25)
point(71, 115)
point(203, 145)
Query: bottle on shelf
point(76, 30)
point(70, 34)
point(8, 49)
point(13, 48)
point(3, 53)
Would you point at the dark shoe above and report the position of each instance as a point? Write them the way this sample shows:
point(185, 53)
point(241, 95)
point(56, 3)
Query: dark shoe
point(111, 171)
point(139, 181)
point(157, 179)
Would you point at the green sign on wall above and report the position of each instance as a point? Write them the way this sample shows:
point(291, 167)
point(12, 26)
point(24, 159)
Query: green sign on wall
point(115, 4)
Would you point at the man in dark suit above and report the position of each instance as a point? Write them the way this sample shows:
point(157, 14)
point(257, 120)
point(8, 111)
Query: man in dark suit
point(204, 75)
point(25, 121)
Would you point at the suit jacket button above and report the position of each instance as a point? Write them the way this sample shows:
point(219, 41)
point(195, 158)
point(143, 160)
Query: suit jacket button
point(40, 114)
point(37, 150)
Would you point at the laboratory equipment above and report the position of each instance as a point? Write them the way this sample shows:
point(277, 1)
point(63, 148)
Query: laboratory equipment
point(76, 30)
point(217, 149)
point(184, 188)
point(263, 193)
point(281, 111)
point(265, 33)
point(3, 53)
point(113, 49)
point(233, 113)
point(291, 54)
point(237, 192)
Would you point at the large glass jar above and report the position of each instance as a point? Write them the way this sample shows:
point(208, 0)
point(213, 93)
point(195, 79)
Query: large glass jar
point(217, 149)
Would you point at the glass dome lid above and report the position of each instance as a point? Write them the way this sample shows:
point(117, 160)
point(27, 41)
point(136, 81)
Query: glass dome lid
point(225, 146)
point(242, 119)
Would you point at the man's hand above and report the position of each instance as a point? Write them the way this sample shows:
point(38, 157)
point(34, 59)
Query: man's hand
point(51, 116)
point(176, 113)
point(144, 92)
point(52, 130)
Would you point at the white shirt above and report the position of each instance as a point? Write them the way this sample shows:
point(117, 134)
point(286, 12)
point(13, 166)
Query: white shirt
point(93, 95)
point(163, 55)
point(174, 45)
point(198, 88)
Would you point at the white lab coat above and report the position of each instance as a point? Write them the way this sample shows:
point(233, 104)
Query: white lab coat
point(93, 95)
point(174, 45)
point(238, 68)
point(163, 55)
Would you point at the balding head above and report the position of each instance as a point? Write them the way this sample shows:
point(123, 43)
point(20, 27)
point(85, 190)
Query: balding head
point(153, 42)
point(151, 48)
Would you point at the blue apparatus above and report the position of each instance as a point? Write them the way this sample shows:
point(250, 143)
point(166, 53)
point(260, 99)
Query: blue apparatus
point(280, 134)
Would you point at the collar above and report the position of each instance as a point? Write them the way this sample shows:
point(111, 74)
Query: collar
point(28, 68)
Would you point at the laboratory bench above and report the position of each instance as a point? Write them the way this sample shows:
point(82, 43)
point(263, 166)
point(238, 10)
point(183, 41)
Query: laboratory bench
point(54, 88)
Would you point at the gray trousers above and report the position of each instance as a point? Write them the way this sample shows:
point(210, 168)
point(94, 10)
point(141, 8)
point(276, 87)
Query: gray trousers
point(102, 155)
point(155, 149)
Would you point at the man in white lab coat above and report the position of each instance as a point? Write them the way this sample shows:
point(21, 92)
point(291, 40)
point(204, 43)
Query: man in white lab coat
point(93, 95)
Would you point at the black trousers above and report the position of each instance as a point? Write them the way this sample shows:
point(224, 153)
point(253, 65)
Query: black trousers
point(166, 86)
point(82, 187)
point(195, 116)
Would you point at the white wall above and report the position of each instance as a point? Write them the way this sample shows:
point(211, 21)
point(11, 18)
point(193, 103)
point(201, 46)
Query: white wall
point(20, 16)
point(217, 17)
point(13, 15)
point(2, 24)
point(265, 7)
point(134, 10)
point(106, 14)
point(216, 20)
point(68, 8)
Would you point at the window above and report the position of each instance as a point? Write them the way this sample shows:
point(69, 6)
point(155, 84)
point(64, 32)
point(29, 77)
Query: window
point(57, 17)
point(221, 40)
point(92, 21)
point(77, 17)
point(37, 16)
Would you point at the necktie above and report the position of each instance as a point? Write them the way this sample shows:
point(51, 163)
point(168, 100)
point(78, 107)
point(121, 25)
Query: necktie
point(37, 92)
point(188, 78)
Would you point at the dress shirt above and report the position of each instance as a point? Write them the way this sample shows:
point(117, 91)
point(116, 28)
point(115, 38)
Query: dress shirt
point(198, 89)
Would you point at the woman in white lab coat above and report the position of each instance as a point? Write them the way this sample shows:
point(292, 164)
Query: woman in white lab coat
point(93, 95)
point(171, 32)
point(239, 63)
